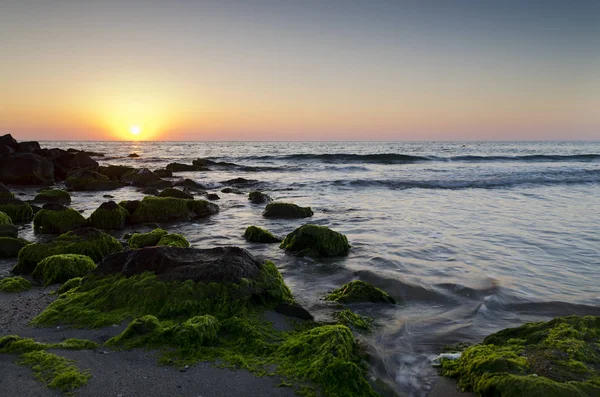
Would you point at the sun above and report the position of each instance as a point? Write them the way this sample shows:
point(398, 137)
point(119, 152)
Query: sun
point(135, 129)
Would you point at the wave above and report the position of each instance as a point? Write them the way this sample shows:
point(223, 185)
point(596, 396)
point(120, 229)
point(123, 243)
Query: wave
point(394, 158)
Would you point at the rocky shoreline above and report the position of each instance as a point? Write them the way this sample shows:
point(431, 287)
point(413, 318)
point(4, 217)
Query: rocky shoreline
point(191, 306)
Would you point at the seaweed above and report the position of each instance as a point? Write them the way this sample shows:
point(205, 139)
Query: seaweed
point(256, 234)
point(349, 318)
point(359, 291)
point(173, 240)
point(172, 192)
point(53, 196)
point(17, 210)
point(63, 267)
point(10, 246)
point(57, 222)
point(286, 210)
point(109, 216)
point(150, 239)
point(14, 284)
point(316, 241)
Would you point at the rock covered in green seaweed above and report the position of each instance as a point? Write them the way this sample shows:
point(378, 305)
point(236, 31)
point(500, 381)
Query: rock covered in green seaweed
point(69, 285)
point(349, 318)
point(55, 218)
point(557, 358)
point(150, 239)
point(53, 196)
point(359, 291)
point(10, 246)
point(171, 209)
point(88, 180)
point(257, 197)
point(4, 192)
point(63, 267)
point(257, 234)
point(7, 229)
point(172, 192)
point(173, 240)
point(85, 241)
point(109, 216)
point(313, 240)
point(286, 210)
point(17, 210)
point(5, 219)
point(14, 284)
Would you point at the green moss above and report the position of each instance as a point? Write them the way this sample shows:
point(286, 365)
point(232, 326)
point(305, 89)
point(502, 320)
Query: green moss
point(313, 240)
point(202, 208)
point(150, 239)
point(69, 285)
point(57, 222)
point(53, 196)
point(17, 210)
point(556, 358)
point(349, 318)
point(10, 246)
point(173, 240)
point(5, 219)
point(172, 192)
point(61, 268)
point(256, 234)
point(286, 210)
point(14, 344)
point(161, 209)
point(109, 219)
point(54, 371)
point(359, 291)
point(88, 241)
point(14, 284)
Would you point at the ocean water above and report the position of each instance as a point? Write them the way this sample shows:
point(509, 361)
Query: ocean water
point(472, 237)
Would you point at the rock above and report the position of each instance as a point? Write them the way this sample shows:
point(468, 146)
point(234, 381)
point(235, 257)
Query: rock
point(91, 154)
point(207, 163)
point(315, 241)
point(130, 205)
point(163, 173)
point(9, 141)
point(231, 190)
point(67, 162)
point(257, 197)
point(172, 192)
point(151, 191)
point(173, 240)
point(53, 196)
point(109, 216)
point(190, 184)
point(145, 178)
point(286, 210)
point(171, 209)
point(30, 147)
point(61, 268)
point(26, 169)
point(17, 210)
point(84, 241)
point(114, 172)
point(55, 218)
point(108, 196)
point(10, 246)
point(256, 234)
point(240, 182)
point(150, 239)
point(219, 265)
point(213, 196)
point(4, 192)
point(178, 167)
point(293, 310)
point(9, 231)
point(359, 291)
point(134, 155)
point(87, 180)
point(6, 149)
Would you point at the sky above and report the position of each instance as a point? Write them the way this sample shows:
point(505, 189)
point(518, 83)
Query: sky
point(300, 70)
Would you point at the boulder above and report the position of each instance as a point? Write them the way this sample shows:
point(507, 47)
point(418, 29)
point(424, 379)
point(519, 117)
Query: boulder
point(171, 209)
point(188, 183)
point(6, 149)
point(150, 239)
point(109, 216)
point(359, 291)
point(53, 196)
point(240, 182)
point(9, 231)
point(55, 218)
point(213, 196)
point(151, 191)
point(178, 167)
point(10, 246)
point(88, 180)
point(163, 173)
point(17, 210)
point(219, 265)
point(145, 178)
point(316, 241)
point(130, 205)
point(30, 147)
point(26, 169)
point(9, 141)
point(286, 210)
point(257, 234)
point(66, 162)
point(114, 172)
point(257, 197)
point(63, 267)
point(172, 192)
point(5, 193)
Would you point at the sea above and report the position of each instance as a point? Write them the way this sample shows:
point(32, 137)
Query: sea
point(469, 237)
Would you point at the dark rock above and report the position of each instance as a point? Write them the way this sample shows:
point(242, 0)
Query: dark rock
point(91, 154)
point(26, 169)
point(163, 173)
point(316, 241)
point(6, 149)
point(87, 180)
point(178, 167)
point(190, 184)
point(208, 163)
point(213, 196)
point(286, 210)
point(151, 191)
point(293, 310)
point(108, 196)
point(54, 207)
point(258, 198)
point(114, 172)
point(231, 190)
point(9, 141)
point(221, 264)
point(29, 147)
point(240, 182)
point(8, 231)
point(66, 162)
point(134, 155)
point(35, 208)
point(172, 192)
point(4, 192)
point(130, 205)
point(145, 178)
point(51, 153)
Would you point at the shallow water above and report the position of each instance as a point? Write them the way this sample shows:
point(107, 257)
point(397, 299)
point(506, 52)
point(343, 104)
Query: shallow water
point(473, 237)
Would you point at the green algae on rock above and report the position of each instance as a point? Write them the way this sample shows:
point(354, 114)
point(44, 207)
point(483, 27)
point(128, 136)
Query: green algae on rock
point(560, 357)
point(69, 285)
point(109, 216)
point(53, 196)
point(88, 180)
point(313, 240)
point(63, 267)
point(257, 197)
point(14, 344)
point(17, 210)
point(286, 210)
point(10, 246)
point(57, 219)
point(5, 219)
point(359, 291)
point(150, 239)
point(171, 209)
point(172, 192)
point(13, 284)
point(4, 192)
point(85, 241)
point(173, 240)
point(54, 371)
point(349, 318)
point(256, 234)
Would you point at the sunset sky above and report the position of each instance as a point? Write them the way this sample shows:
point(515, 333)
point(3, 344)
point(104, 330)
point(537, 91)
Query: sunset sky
point(300, 70)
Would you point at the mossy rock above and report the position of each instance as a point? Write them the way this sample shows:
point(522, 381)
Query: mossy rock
point(150, 239)
point(257, 197)
point(17, 210)
point(316, 241)
point(53, 196)
point(69, 285)
point(349, 318)
point(5, 219)
point(14, 284)
point(256, 234)
point(10, 246)
point(109, 216)
point(556, 358)
point(61, 268)
point(286, 210)
point(173, 240)
point(85, 241)
point(163, 173)
point(359, 291)
point(88, 180)
point(171, 209)
point(55, 372)
point(5, 193)
point(114, 172)
point(57, 219)
point(172, 192)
